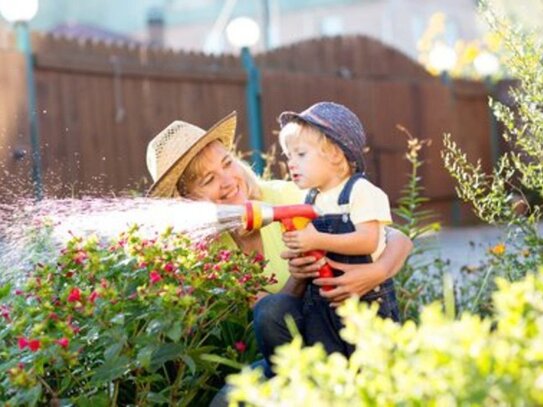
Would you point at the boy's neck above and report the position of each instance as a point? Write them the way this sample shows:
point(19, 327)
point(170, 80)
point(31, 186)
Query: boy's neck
point(333, 182)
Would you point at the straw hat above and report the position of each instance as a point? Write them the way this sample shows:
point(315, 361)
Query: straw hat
point(171, 151)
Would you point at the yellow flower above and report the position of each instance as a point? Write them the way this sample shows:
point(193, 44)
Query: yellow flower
point(498, 250)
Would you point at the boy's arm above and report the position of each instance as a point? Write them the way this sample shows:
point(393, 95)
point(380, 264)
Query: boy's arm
point(364, 240)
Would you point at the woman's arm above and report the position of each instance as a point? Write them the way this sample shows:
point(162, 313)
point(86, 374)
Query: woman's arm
point(358, 279)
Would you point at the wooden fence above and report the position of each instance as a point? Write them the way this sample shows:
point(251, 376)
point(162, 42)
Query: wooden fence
point(99, 104)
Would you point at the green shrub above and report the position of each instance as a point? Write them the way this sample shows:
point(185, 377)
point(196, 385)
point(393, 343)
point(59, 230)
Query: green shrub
point(500, 198)
point(469, 361)
point(135, 321)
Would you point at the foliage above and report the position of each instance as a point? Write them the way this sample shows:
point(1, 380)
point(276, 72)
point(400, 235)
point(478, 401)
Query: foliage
point(134, 321)
point(470, 361)
point(419, 280)
point(500, 198)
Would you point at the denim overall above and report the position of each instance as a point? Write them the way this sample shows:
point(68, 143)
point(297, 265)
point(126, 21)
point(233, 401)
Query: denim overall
point(321, 323)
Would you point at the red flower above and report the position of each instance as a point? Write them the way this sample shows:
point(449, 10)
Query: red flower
point(155, 277)
point(34, 345)
point(22, 342)
point(19, 292)
point(143, 265)
point(240, 346)
point(53, 316)
point(75, 295)
point(169, 268)
point(259, 258)
point(63, 342)
point(93, 296)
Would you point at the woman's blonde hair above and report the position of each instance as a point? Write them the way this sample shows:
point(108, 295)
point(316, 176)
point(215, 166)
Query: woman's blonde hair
point(300, 130)
point(198, 164)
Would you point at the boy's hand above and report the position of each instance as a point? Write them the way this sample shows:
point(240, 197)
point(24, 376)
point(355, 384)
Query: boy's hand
point(302, 240)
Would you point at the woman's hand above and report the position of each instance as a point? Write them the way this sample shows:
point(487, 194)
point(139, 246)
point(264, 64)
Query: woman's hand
point(302, 240)
point(357, 280)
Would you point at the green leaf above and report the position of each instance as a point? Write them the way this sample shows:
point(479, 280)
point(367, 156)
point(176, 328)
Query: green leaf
point(110, 370)
point(175, 332)
point(144, 356)
point(118, 319)
point(189, 362)
point(168, 351)
point(113, 351)
point(97, 400)
point(209, 357)
point(157, 398)
point(5, 290)
point(29, 397)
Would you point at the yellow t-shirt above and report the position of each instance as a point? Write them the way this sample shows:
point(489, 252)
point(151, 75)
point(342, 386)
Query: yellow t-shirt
point(275, 193)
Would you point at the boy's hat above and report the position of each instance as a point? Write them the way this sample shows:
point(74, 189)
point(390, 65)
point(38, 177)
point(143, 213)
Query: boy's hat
point(338, 123)
point(170, 152)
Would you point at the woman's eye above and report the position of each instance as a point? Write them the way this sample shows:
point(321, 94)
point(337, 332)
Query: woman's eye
point(207, 180)
point(227, 163)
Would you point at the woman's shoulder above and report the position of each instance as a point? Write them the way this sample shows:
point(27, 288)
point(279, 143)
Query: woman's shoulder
point(281, 192)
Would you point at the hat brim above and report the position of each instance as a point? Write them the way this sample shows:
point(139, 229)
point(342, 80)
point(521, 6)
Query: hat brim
point(166, 186)
point(287, 117)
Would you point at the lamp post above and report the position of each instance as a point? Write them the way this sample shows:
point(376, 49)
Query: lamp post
point(19, 13)
point(487, 65)
point(243, 32)
point(442, 58)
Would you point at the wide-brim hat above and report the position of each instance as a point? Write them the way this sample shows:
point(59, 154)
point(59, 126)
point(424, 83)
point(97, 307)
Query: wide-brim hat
point(170, 151)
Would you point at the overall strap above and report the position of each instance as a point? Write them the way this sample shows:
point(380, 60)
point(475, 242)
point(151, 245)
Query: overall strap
point(346, 192)
point(311, 196)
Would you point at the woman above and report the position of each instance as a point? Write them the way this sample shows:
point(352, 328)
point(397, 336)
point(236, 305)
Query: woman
point(186, 161)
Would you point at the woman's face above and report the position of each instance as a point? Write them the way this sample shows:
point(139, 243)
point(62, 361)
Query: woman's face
point(220, 178)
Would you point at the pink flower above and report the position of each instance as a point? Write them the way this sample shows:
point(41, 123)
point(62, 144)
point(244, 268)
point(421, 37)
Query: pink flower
point(201, 245)
point(155, 277)
point(103, 283)
point(224, 255)
point(93, 296)
point(80, 257)
point(63, 342)
point(22, 342)
point(143, 265)
point(19, 292)
point(244, 278)
point(53, 316)
point(169, 267)
point(75, 295)
point(4, 311)
point(259, 258)
point(240, 346)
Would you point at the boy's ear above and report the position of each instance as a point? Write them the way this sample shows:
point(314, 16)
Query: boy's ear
point(336, 156)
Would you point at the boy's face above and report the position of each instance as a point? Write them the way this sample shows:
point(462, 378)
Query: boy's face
point(308, 166)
